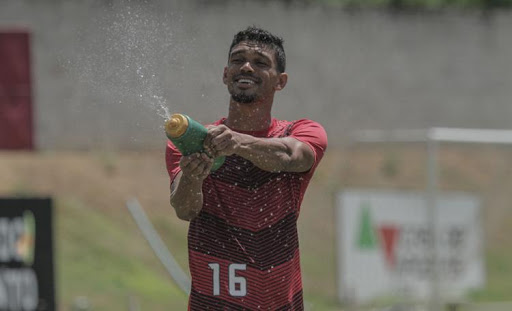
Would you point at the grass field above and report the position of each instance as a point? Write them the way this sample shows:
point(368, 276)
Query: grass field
point(101, 255)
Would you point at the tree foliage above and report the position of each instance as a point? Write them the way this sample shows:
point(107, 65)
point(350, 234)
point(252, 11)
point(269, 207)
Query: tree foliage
point(418, 4)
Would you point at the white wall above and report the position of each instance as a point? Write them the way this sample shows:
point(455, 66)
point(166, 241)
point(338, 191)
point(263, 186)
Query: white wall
point(348, 70)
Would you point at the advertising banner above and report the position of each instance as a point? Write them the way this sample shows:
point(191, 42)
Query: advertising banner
point(26, 255)
point(385, 248)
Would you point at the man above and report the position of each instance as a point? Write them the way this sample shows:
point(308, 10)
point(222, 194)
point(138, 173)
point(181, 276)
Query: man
point(243, 243)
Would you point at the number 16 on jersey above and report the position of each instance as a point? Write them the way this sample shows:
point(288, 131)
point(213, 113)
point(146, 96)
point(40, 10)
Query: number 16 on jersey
point(237, 284)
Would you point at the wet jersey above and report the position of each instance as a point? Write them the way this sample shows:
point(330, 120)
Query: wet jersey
point(243, 246)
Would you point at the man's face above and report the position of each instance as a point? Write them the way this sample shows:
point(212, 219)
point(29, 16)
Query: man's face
point(251, 73)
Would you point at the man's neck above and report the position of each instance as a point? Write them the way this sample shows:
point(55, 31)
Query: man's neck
point(249, 117)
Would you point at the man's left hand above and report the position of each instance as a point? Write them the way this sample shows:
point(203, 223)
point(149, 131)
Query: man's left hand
point(220, 141)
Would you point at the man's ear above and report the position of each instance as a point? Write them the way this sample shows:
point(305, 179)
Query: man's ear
point(282, 80)
point(225, 76)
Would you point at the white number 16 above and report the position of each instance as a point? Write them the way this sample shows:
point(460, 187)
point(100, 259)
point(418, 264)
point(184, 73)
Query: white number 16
point(233, 279)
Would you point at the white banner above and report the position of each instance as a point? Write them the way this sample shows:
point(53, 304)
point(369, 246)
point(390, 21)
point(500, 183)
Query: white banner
point(384, 247)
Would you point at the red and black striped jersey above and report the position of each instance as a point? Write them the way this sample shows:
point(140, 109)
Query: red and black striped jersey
point(243, 245)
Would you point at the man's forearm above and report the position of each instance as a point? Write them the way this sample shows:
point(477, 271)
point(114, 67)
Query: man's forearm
point(187, 197)
point(272, 154)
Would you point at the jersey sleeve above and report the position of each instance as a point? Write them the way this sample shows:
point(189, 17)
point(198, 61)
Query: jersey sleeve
point(313, 134)
point(172, 160)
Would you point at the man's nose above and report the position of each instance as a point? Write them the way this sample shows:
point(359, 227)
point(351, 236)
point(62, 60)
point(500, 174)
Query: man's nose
point(246, 67)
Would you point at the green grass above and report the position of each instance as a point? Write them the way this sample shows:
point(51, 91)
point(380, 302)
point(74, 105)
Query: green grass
point(101, 254)
point(107, 261)
point(499, 269)
point(100, 259)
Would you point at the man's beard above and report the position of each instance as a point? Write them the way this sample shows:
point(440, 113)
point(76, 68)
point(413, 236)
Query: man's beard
point(244, 98)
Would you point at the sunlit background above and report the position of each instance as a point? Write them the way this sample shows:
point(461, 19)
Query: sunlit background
point(85, 128)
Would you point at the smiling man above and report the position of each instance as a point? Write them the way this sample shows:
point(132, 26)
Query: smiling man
point(242, 240)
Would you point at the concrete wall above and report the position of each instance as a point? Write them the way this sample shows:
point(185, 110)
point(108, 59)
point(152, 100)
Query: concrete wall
point(102, 70)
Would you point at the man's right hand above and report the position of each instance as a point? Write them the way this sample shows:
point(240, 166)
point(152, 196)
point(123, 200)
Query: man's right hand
point(196, 166)
point(186, 189)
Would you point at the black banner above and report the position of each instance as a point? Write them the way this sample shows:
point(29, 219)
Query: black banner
point(26, 255)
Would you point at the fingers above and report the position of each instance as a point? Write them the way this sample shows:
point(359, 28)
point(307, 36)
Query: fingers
point(209, 135)
point(196, 165)
point(219, 141)
point(213, 132)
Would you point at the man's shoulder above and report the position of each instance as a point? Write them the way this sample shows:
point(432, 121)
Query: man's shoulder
point(310, 131)
point(290, 127)
point(302, 122)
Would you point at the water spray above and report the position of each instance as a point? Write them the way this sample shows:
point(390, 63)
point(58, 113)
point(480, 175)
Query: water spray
point(188, 136)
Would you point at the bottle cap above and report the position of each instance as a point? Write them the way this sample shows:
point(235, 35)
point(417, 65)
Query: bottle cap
point(176, 126)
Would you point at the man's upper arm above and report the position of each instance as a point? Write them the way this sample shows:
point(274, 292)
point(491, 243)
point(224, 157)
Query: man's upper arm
point(312, 143)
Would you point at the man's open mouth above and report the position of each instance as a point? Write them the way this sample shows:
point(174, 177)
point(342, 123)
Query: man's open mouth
point(246, 81)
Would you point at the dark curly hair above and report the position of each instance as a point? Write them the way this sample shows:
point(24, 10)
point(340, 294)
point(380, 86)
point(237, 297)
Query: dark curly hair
point(258, 35)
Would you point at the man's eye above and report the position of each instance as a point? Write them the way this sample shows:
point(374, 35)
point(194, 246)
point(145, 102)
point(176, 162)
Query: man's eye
point(236, 61)
point(262, 64)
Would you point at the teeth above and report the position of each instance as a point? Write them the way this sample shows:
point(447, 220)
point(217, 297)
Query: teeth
point(246, 81)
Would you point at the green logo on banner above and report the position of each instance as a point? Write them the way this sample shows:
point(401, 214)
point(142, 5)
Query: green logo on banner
point(26, 243)
point(366, 238)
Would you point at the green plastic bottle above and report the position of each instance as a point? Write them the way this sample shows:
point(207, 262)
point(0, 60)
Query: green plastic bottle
point(188, 136)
